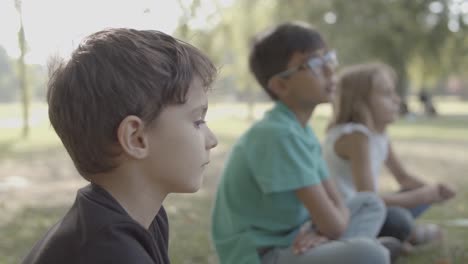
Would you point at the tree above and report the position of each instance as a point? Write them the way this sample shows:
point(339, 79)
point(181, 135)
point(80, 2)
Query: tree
point(401, 33)
point(25, 96)
point(227, 40)
point(413, 37)
point(8, 80)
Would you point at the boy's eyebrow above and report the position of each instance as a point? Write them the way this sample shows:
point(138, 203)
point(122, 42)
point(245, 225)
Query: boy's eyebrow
point(201, 108)
point(319, 52)
point(316, 54)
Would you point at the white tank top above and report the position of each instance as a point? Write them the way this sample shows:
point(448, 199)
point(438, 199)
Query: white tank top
point(340, 169)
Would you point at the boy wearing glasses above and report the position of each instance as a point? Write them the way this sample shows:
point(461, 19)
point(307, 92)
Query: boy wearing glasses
point(275, 202)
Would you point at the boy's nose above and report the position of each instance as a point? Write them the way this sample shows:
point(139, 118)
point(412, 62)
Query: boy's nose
point(329, 72)
point(211, 140)
point(333, 80)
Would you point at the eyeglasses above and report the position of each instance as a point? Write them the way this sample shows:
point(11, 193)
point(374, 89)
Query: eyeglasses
point(316, 64)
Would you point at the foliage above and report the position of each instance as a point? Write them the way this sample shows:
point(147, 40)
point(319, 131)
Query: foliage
point(418, 38)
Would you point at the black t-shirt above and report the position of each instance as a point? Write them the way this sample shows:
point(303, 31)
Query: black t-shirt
point(98, 230)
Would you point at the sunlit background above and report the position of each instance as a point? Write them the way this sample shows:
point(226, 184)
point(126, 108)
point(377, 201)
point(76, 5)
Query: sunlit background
point(426, 41)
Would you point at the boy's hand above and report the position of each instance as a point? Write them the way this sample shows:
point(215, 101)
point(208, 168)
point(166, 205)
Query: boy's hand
point(446, 192)
point(306, 239)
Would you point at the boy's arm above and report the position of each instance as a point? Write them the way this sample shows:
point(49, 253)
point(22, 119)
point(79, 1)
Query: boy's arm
point(330, 220)
point(406, 180)
point(330, 187)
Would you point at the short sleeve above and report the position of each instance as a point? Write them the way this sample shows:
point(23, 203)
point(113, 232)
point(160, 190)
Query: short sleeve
point(284, 161)
point(349, 128)
point(323, 170)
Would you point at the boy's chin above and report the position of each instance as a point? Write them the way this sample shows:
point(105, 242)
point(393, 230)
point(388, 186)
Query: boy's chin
point(189, 188)
point(326, 99)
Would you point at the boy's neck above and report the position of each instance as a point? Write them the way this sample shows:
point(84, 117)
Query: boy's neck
point(139, 198)
point(303, 114)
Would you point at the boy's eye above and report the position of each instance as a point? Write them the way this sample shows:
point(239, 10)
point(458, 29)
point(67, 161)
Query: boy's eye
point(200, 122)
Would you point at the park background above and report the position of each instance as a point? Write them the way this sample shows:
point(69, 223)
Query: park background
point(425, 41)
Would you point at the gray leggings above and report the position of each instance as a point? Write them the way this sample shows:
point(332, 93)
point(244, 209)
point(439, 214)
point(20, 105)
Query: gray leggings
point(357, 245)
point(398, 224)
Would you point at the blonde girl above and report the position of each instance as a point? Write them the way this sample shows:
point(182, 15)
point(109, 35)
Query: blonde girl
point(357, 146)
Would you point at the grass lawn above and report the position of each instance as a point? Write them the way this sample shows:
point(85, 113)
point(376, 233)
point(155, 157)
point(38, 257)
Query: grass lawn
point(38, 181)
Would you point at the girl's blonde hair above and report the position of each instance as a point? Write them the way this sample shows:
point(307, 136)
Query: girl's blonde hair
point(355, 83)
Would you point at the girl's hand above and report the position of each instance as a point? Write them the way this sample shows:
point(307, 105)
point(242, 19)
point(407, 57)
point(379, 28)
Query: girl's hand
point(446, 192)
point(431, 193)
point(306, 239)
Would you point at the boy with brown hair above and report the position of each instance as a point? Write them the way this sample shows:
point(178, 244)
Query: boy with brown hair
point(129, 107)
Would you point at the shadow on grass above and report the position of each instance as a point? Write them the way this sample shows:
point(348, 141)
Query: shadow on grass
point(7, 146)
point(19, 148)
point(8, 151)
point(189, 221)
point(19, 235)
point(190, 214)
point(189, 235)
point(452, 250)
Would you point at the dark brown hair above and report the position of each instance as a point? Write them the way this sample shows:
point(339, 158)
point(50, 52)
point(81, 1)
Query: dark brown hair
point(112, 74)
point(272, 50)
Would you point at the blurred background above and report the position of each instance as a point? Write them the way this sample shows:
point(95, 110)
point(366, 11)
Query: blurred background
point(425, 41)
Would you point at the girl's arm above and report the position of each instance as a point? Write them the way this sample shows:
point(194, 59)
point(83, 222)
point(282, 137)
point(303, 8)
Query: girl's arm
point(416, 192)
point(406, 180)
point(330, 219)
point(428, 194)
point(354, 147)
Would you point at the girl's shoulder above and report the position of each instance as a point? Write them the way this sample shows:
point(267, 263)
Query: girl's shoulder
point(340, 130)
point(350, 134)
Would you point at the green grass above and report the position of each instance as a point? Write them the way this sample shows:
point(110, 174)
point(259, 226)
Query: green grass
point(42, 135)
point(448, 128)
point(18, 236)
point(434, 148)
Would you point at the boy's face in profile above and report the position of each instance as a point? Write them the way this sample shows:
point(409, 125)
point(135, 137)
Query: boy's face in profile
point(310, 86)
point(180, 143)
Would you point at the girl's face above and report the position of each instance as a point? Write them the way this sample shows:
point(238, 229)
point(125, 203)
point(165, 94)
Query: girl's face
point(384, 101)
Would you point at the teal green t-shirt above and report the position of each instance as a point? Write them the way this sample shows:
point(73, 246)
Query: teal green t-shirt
point(256, 205)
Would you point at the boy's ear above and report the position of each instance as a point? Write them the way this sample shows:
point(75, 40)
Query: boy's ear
point(278, 86)
point(132, 137)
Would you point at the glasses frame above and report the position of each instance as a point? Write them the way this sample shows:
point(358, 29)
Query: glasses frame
point(314, 63)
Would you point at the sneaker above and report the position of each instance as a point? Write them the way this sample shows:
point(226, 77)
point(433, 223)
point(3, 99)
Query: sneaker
point(393, 245)
point(425, 234)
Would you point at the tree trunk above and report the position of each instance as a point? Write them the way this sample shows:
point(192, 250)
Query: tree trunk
point(25, 100)
point(402, 89)
point(401, 69)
